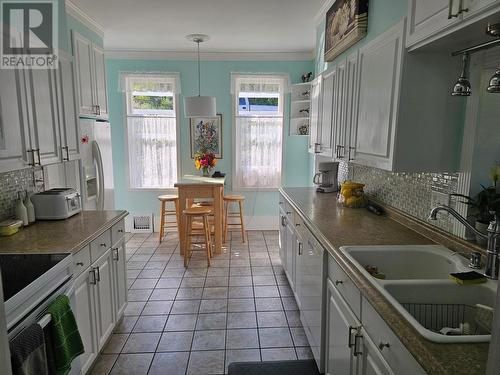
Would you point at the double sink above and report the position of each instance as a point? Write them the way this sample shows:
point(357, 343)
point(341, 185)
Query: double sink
point(414, 279)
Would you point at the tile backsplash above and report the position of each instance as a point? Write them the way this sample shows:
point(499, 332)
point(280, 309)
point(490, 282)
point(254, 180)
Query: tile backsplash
point(10, 184)
point(408, 192)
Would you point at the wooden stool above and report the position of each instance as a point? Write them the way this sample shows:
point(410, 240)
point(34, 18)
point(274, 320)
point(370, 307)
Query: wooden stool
point(228, 199)
point(165, 213)
point(193, 213)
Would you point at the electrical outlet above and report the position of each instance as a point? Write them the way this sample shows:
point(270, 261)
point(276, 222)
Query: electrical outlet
point(438, 198)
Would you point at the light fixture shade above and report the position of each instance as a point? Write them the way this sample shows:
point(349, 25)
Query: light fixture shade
point(462, 87)
point(200, 106)
point(494, 85)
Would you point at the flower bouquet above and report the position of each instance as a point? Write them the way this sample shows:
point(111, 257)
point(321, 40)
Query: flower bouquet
point(205, 161)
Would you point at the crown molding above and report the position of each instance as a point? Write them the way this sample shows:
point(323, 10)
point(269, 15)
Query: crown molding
point(74, 11)
point(320, 16)
point(208, 56)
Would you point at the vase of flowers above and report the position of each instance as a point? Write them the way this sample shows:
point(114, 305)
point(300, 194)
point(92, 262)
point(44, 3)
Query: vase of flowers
point(205, 161)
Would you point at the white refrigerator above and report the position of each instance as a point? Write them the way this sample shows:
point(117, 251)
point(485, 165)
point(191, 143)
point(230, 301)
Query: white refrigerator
point(96, 165)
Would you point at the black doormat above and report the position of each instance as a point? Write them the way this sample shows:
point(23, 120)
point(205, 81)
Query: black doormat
point(274, 368)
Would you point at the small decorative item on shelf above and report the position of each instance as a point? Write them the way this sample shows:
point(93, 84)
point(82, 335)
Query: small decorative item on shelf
point(306, 94)
point(352, 194)
point(304, 111)
point(306, 77)
point(303, 129)
point(205, 161)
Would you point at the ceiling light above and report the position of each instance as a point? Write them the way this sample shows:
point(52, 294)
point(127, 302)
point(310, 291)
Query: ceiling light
point(199, 106)
point(494, 85)
point(462, 87)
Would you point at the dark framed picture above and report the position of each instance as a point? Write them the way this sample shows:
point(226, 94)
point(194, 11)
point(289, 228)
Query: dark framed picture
point(346, 24)
point(206, 135)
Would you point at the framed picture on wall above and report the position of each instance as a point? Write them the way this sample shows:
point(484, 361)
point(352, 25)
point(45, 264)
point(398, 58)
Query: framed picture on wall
point(346, 24)
point(206, 134)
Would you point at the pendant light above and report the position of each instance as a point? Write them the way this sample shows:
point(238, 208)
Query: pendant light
point(494, 85)
point(199, 106)
point(462, 87)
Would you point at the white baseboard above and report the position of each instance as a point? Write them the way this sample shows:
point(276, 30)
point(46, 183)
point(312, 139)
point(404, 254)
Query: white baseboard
point(251, 223)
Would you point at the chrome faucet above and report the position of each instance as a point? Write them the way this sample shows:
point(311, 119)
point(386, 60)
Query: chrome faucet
point(493, 236)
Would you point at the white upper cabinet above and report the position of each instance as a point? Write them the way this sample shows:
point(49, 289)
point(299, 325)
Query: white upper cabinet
point(14, 135)
point(315, 116)
point(328, 115)
point(379, 84)
point(68, 117)
point(430, 20)
point(43, 116)
point(90, 78)
point(101, 97)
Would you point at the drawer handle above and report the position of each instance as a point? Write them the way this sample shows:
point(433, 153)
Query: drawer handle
point(338, 282)
point(349, 341)
point(120, 230)
point(116, 254)
point(288, 212)
point(357, 347)
point(383, 345)
point(300, 248)
point(103, 245)
point(98, 274)
point(93, 281)
point(79, 264)
point(297, 225)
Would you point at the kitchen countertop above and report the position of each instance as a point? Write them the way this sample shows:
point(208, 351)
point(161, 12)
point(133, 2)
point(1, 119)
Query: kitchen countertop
point(61, 236)
point(335, 226)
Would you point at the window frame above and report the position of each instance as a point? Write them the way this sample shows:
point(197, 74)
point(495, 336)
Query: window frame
point(235, 108)
point(126, 101)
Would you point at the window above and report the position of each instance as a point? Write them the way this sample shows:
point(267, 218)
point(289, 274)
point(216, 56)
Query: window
point(258, 119)
point(151, 130)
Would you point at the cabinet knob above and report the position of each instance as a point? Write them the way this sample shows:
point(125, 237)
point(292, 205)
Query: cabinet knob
point(338, 282)
point(103, 245)
point(383, 345)
point(297, 225)
point(120, 230)
point(79, 264)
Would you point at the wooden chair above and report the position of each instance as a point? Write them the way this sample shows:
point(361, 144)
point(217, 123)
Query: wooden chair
point(169, 218)
point(228, 199)
point(190, 214)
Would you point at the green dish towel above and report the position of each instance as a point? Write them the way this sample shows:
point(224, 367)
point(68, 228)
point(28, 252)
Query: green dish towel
point(64, 336)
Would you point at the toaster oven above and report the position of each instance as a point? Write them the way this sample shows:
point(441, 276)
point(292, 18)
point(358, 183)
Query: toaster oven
point(56, 204)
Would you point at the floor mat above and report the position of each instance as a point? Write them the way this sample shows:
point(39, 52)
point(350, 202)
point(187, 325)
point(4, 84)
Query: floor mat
point(274, 368)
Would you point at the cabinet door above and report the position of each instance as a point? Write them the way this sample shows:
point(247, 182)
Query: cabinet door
point(314, 115)
point(346, 134)
point(120, 279)
point(82, 50)
point(85, 319)
point(328, 111)
point(428, 17)
point(43, 115)
point(14, 137)
point(104, 297)
point(68, 116)
point(371, 360)
point(101, 98)
point(290, 254)
point(282, 238)
point(379, 84)
point(341, 326)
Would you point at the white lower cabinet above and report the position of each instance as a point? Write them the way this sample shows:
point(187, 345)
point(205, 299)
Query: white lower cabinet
point(371, 360)
point(99, 296)
point(290, 253)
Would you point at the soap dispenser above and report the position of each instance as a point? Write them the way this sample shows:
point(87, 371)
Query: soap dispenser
point(20, 210)
point(29, 208)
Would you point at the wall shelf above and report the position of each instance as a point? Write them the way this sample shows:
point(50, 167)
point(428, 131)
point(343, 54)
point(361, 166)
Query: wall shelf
point(299, 110)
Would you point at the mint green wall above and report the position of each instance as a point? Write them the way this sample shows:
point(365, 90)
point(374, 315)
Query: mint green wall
point(215, 81)
point(382, 14)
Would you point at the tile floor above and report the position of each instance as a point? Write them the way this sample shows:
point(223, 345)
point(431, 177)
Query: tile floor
point(198, 320)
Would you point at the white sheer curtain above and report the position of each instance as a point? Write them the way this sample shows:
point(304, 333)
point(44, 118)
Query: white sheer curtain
point(152, 152)
point(259, 132)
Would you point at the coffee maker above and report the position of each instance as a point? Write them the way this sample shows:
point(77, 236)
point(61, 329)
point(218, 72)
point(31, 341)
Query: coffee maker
point(326, 178)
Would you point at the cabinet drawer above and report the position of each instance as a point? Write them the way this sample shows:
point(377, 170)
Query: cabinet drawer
point(81, 260)
point(397, 356)
point(345, 286)
point(100, 245)
point(117, 232)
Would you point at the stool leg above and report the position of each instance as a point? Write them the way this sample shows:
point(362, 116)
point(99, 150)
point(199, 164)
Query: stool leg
point(241, 221)
point(177, 215)
point(162, 219)
point(187, 251)
point(208, 245)
point(226, 209)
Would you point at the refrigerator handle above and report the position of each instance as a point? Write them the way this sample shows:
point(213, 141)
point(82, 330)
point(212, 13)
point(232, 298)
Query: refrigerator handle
point(96, 153)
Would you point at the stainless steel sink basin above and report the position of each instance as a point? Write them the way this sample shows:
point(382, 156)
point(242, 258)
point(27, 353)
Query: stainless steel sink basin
point(416, 283)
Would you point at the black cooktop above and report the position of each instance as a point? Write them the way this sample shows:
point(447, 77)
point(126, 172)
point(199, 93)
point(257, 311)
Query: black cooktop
point(20, 270)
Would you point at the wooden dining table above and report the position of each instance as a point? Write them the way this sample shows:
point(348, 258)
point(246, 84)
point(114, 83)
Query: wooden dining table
point(192, 187)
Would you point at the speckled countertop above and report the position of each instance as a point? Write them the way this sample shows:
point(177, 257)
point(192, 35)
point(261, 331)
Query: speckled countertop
point(336, 226)
point(61, 236)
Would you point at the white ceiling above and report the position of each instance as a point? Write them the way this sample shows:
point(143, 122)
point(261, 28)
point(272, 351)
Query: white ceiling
point(233, 25)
